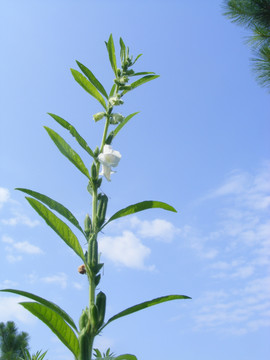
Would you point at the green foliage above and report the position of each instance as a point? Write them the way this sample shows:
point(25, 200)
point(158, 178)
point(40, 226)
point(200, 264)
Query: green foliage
point(12, 343)
point(144, 205)
point(254, 15)
point(144, 305)
point(54, 205)
point(56, 323)
point(45, 302)
point(58, 226)
point(92, 320)
point(39, 355)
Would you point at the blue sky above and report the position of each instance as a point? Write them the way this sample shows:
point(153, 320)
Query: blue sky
point(200, 143)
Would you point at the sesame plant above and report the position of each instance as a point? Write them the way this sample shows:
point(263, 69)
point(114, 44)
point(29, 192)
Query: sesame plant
point(79, 339)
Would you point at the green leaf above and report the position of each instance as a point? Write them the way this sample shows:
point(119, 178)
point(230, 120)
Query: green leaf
point(145, 305)
point(88, 86)
point(73, 132)
point(123, 50)
point(137, 58)
point(61, 209)
point(88, 73)
point(111, 52)
point(55, 322)
point(123, 123)
point(67, 151)
point(45, 302)
point(112, 90)
point(141, 81)
point(58, 226)
point(125, 357)
point(142, 73)
point(144, 205)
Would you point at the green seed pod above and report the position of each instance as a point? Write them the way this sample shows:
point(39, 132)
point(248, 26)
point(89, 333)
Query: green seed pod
point(96, 151)
point(99, 181)
point(109, 138)
point(93, 254)
point(101, 211)
point(87, 225)
point(84, 352)
point(94, 315)
point(93, 171)
point(83, 321)
point(101, 305)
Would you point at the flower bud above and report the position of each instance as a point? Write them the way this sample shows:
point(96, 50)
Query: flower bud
point(116, 119)
point(116, 100)
point(87, 225)
point(98, 116)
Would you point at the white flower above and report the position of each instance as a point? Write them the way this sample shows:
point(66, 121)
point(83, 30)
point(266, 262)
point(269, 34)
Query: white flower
point(109, 158)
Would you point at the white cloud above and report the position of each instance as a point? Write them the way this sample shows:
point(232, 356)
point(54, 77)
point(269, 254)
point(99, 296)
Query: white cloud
point(159, 229)
point(10, 310)
point(7, 239)
point(4, 196)
point(14, 248)
point(7, 284)
point(125, 250)
point(13, 258)
point(20, 219)
point(241, 239)
point(27, 248)
point(59, 279)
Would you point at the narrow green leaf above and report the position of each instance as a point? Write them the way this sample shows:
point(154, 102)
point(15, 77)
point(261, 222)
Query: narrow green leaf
point(45, 302)
point(54, 205)
point(88, 86)
point(111, 52)
point(55, 322)
point(112, 90)
point(67, 151)
point(141, 81)
point(123, 50)
point(73, 132)
point(58, 226)
point(142, 73)
point(125, 357)
point(88, 73)
point(137, 58)
point(144, 205)
point(145, 305)
point(123, 123)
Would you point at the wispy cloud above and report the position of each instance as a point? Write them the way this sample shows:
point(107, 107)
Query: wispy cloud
point(14, 249)
point(59, 279)
point(240, 242)
point(4, 196)
point(14, 213)
point(19, 219)
point(10, 310)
